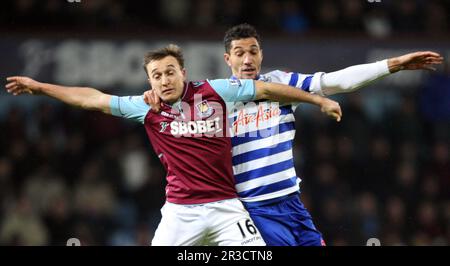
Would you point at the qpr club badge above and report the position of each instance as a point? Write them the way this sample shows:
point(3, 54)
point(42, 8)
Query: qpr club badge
point(204, 110)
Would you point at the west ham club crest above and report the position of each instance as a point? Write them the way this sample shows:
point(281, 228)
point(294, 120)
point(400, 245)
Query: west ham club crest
point(204, 110)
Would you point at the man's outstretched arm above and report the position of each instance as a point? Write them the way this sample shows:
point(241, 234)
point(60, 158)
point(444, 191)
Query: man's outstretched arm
point(355, 77)
point(264, 90)
point(82, 97)
point(284, 93)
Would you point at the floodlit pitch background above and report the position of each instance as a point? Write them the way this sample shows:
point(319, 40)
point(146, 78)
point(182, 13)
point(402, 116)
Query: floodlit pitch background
point(383, 172)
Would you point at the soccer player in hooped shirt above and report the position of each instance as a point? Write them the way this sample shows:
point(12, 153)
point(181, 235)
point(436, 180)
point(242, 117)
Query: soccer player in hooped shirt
point(188, 136)
point(263, 164)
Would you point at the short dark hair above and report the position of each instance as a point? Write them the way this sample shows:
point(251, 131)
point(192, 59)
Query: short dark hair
point(238, 32)
point(158, 54)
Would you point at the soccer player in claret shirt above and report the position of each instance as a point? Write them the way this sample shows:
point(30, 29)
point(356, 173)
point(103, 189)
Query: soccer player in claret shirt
point(202, 205)
point(263, 164)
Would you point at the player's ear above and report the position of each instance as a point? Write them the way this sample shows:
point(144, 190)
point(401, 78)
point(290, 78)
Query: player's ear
point(226, 57)
point(183, 71)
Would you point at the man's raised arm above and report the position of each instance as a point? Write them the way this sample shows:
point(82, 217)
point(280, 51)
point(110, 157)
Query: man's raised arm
point(355, 77)
point(82, 97)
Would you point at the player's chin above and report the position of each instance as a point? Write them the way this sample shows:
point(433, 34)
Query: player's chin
point(248, 75)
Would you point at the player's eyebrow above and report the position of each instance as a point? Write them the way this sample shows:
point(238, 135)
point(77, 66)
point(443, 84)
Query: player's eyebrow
point(169, 66)
point(254, 46)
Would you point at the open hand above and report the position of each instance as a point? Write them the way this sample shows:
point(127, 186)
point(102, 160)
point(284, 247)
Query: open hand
point(18, 85)
point(415, 61)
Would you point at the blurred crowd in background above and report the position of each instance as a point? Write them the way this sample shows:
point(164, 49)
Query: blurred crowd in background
point(68, 173)
point(371, 17)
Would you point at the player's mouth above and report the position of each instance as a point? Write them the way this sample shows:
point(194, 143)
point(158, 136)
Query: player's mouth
point(248, 71)
point(167, 91)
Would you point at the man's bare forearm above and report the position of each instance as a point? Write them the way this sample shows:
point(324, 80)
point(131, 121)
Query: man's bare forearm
point(82, 97)
point(284, 93)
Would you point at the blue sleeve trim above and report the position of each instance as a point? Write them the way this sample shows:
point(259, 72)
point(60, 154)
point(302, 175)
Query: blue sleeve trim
point(294, 79)
point(132, 107)
point(307, 83)
point(233, 90)
point(114, 105)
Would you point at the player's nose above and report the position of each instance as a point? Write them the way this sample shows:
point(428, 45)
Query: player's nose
point(248, 60)
point(164, 80)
